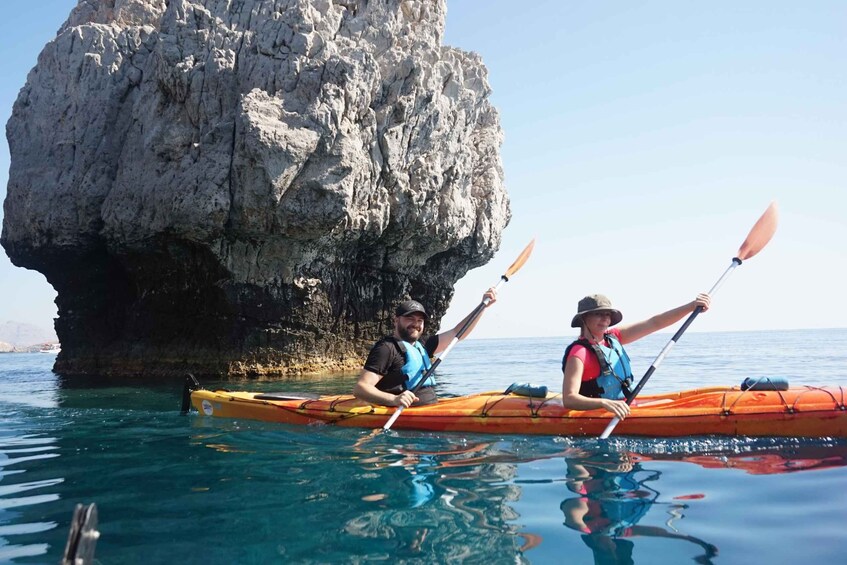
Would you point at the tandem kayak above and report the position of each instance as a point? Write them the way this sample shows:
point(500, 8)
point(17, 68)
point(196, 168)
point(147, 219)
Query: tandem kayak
point(804, 411)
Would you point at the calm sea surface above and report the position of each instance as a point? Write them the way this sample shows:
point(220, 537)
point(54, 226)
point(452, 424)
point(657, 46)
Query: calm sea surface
point(172, 488)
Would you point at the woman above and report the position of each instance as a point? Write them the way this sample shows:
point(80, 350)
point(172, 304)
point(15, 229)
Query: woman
point(595, 366)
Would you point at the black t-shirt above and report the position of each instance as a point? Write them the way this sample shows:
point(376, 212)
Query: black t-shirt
point(386, 359)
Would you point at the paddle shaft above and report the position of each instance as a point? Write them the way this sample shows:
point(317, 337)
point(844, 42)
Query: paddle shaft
point(667, 348)
point(471, 319)
point(513, 268)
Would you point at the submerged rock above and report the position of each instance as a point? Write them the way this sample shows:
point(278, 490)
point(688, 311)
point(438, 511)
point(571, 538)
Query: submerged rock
point(247, 188)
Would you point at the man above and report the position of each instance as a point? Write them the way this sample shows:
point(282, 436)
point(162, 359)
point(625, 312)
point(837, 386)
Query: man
point(398, 362)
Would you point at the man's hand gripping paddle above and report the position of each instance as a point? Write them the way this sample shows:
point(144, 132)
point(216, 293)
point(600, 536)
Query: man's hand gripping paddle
point(516, 266)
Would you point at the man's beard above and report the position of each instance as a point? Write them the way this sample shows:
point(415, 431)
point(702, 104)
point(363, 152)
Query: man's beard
point(406, 335)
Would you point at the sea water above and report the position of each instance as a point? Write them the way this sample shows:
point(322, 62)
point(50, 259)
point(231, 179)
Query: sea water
point(174, 488)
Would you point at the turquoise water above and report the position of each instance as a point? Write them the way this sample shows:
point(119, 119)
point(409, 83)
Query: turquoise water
point(172, 488)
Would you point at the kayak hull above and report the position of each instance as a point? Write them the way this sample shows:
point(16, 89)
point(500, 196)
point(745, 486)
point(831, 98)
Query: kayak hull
point(727, 411)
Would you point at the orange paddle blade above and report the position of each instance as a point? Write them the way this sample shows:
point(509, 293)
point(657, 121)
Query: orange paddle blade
point(519, 262)
point(761, 233)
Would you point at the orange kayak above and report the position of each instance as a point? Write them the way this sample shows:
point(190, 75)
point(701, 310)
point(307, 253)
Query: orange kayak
point(728, 411)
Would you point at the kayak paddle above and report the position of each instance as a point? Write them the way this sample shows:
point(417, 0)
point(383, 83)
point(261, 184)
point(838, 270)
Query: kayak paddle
point(758, 237)
point(519, 262)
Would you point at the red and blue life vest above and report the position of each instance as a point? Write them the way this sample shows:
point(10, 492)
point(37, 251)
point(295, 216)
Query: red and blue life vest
point(615, 379)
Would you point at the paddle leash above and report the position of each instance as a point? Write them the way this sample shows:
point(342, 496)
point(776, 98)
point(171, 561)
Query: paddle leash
point(758, 237)
point(516, 266)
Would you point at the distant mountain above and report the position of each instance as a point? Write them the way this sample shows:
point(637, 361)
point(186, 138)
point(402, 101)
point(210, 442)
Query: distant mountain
point(20, 334)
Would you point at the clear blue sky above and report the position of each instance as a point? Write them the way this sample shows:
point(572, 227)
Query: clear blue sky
point(25, 296)
point(643, 140)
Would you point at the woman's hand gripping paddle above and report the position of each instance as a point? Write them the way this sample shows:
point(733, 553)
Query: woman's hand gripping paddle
point(758, 237)
point(516, 266)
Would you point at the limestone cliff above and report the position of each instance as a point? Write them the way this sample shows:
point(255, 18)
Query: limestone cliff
point(246, 187)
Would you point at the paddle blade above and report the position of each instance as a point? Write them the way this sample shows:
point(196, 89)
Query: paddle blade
point(761, 233)
point(522, 258)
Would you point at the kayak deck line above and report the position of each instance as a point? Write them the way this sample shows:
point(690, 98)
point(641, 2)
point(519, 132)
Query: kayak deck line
point(803, 411)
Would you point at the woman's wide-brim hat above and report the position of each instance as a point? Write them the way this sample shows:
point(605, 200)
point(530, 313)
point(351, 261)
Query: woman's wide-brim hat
point(595, 303)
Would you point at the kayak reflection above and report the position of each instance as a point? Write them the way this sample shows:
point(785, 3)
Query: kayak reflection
point(613, 493)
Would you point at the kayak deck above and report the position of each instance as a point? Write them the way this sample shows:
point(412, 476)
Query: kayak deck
point(797, 412)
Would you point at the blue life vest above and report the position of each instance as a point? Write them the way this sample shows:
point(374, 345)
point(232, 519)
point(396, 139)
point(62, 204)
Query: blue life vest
point(615, 379)
point(424, 474)
point(417, 363)
point(624, 499)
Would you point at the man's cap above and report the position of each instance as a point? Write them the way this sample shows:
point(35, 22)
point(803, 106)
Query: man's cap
point(408, 307)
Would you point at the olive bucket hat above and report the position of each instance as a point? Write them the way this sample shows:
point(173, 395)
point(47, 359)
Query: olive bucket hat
point(595, 303)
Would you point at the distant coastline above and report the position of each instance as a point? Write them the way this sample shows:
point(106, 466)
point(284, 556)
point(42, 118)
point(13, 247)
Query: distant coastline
point(50, 347)
point(21, 337)
point(666, 333)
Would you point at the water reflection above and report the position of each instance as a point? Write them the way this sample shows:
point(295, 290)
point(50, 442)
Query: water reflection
point(774, 462)
point(442, 500)
point(613, 492)
point(446, 487)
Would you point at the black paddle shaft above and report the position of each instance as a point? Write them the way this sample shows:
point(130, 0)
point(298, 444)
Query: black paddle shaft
point(735, 262)
point(653, 367)
point(474, 315)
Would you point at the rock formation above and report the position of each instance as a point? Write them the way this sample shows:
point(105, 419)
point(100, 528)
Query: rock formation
point(247, 187)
